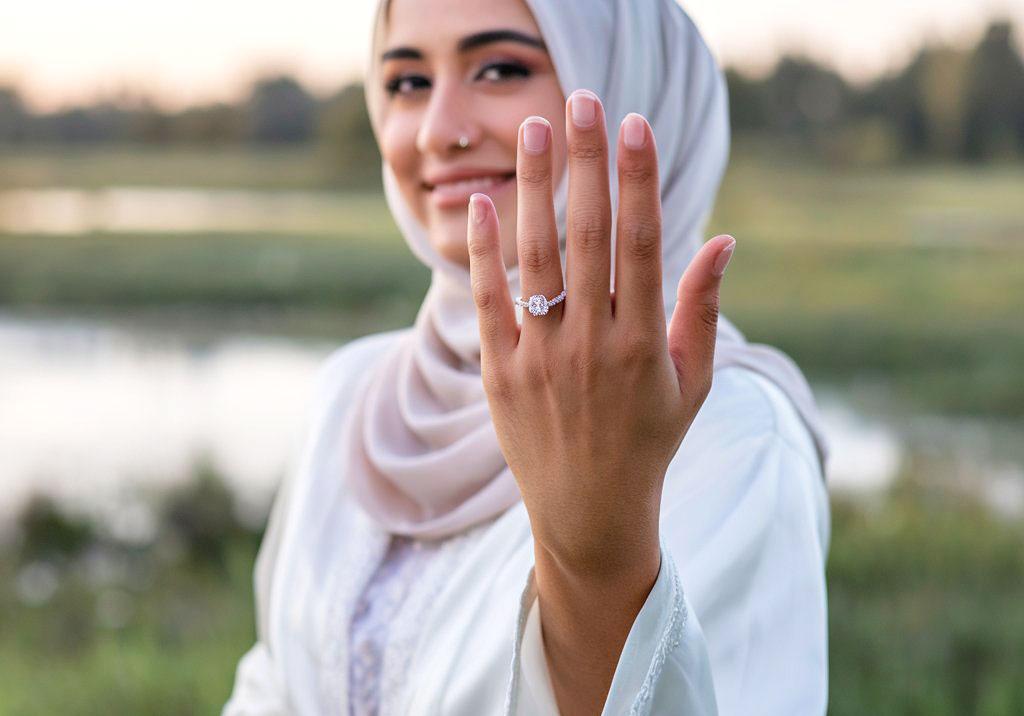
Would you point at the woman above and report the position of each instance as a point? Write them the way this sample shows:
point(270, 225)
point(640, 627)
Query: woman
point(496, 511)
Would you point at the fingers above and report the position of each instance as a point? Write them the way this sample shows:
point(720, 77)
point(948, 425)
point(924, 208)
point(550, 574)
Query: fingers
point(694, 325)
point(638, 228)
point(540, 264)
point(498, 330)
point(588, 249)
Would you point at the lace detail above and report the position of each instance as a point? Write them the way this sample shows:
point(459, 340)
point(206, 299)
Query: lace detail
point(669, 641)
point(377, 608)
point(361, 546)
point(406, 629)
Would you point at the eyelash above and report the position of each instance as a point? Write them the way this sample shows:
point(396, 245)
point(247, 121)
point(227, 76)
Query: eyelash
point(392, 86)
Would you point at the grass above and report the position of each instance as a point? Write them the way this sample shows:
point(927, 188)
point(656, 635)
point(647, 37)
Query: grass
point(926, 610)
point(909, 274)
point(906, 275)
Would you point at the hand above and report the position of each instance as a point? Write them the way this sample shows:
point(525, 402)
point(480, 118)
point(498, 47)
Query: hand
point(591, 401)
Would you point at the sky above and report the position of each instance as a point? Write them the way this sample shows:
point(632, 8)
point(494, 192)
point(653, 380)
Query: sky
point(59, 52)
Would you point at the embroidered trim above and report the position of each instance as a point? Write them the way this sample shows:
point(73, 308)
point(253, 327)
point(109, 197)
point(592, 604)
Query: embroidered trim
point(362, 546)
point(406, 630)
point(511, 693)
point(670, 640)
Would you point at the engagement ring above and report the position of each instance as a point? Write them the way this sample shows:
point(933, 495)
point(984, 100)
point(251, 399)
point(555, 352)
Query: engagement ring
point(538, 304)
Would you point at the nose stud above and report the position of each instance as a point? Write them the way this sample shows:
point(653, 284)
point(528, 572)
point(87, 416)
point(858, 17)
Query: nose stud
point(463, 142)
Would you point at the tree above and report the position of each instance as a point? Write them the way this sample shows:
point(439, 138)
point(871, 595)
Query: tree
point(994, 112)
point(280, 110)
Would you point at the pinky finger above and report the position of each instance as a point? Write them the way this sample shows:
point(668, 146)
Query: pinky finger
point(498, 330)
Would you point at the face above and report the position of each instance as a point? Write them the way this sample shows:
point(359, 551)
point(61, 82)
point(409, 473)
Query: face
point(462, 68)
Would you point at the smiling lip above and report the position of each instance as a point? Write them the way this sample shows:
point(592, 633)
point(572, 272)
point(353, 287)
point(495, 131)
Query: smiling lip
point(455, 192)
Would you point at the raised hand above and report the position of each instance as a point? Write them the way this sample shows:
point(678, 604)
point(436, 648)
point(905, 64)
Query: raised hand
point(592, 400)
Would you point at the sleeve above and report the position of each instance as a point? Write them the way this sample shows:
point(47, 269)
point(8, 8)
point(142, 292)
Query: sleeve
point(742, 530)
point(259, 687)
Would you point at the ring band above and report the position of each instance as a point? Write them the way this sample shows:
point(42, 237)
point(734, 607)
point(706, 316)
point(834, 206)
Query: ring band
point(538, 303)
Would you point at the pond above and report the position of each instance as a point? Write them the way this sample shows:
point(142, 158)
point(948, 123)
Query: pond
point(93, 411)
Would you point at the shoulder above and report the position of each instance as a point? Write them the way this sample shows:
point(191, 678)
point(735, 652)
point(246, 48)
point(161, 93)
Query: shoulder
point(745, 423)
point(747, 461)
point(338, 373)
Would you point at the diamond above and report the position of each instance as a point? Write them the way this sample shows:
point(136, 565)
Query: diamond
point(538, 305)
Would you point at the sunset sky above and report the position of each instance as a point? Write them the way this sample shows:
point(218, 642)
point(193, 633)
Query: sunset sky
point(62, 51)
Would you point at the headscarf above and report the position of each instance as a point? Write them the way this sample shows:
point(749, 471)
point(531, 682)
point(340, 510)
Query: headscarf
point(422, 456)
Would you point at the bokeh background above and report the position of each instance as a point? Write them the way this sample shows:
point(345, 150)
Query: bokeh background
point(191, 218)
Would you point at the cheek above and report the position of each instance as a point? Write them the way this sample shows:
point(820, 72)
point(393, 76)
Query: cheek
point(398, 148)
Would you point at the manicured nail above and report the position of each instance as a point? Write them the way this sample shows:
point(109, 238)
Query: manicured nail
point(633, 131)
point(535, 134)
point(584, 108)
point(479, 211)
point(723, 258)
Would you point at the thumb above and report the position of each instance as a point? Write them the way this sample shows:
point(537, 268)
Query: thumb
point(694, 325)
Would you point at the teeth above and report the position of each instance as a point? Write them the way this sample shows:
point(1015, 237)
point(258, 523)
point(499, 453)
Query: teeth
point(470, 184)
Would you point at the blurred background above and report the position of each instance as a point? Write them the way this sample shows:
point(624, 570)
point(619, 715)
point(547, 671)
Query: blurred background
point(191, 218)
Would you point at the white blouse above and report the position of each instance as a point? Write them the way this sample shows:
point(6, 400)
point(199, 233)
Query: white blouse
point(744, 531)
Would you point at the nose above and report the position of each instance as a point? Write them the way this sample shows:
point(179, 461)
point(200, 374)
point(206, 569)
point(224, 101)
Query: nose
point(446, 120)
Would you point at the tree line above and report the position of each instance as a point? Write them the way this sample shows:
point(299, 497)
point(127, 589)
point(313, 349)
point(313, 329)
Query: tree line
point(950, 103)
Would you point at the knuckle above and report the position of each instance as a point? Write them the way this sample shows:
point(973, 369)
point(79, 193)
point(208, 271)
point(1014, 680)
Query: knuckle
point(478, 248)
point(641, 235)
point(586, 151)
point(709, 313)
point(486, 299)
point(534, 175)
point(637, 172)
point(535, 257)
point(582, 363)
point(588, 229)
point(498, 382)
point(538, 373)
point(638, 348)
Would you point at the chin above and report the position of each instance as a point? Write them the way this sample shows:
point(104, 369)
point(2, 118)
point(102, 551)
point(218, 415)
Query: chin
point(451, 242)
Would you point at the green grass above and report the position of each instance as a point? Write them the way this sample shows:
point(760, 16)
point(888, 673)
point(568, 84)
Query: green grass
point(909, 276)
point(926, 611)
point(91, 167)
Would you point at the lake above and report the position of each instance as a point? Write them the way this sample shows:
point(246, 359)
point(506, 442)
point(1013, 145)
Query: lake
point(98, 415)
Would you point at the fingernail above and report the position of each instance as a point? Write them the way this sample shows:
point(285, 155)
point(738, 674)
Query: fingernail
point(476, 205)
point(584, 108)
point(633, 131)
point(723, 258)
point(535, 135)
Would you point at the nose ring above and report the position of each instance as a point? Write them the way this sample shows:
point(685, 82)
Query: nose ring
point(463, 142)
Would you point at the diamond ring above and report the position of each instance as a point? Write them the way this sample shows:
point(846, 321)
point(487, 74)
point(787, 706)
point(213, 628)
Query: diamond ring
point(538, 304)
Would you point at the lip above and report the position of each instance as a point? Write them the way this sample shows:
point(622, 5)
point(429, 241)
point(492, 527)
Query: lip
point(453, 189)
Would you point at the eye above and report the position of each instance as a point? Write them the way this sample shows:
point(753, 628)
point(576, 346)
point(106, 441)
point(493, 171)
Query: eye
point(405, 84)
point(498, 71)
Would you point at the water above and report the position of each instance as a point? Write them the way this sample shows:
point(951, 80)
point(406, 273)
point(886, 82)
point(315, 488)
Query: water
point(90, 411)
point(182, 210)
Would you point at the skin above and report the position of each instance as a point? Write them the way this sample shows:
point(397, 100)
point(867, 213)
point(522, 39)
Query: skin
point(591, 401)
point(483, 94)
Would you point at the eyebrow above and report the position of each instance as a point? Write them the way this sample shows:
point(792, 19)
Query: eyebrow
point(468, 43)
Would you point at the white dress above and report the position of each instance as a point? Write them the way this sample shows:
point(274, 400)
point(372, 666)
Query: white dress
point(736, 621)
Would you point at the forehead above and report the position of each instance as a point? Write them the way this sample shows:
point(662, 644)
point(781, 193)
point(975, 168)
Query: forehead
point(441, 23)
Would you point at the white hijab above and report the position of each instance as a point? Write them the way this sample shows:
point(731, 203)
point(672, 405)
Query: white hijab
point(422, 456)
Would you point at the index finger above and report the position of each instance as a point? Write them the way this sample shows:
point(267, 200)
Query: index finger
point(497, 318)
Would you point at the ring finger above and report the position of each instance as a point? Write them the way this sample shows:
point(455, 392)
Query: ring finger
point(540, 264)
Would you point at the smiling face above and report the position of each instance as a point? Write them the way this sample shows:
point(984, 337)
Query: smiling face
point(462, 68)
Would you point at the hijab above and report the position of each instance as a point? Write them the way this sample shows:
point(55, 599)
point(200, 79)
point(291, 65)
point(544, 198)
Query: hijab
point(421, 453)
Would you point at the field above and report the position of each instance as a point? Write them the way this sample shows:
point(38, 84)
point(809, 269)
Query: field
point(907, 277)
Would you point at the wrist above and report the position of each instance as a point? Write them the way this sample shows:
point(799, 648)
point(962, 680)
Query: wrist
point(613, 560)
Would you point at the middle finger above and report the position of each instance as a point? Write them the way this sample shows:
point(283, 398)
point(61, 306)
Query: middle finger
point(588, 249)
